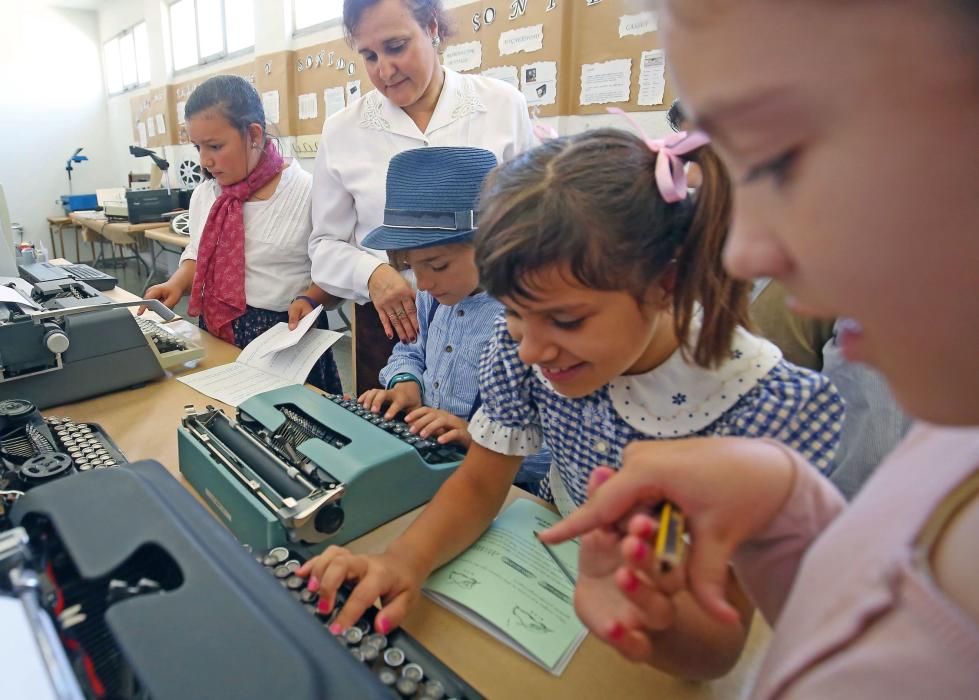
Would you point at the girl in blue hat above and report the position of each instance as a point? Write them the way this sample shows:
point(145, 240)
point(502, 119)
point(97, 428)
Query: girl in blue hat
point(621, 326)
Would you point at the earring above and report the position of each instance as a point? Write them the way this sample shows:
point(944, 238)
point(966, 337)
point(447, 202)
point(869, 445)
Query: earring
point(436, 41)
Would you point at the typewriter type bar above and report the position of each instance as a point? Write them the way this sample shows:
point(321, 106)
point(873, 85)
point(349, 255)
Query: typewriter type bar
point(305, 501)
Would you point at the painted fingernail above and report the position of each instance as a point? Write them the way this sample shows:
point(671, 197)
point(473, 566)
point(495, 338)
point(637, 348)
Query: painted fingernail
point(325, 605)
point(335, 629)
point(382, 625)
point(631, 582)
point(616, 630)
point(314, 584)
point(639, 551)
point(645, 529)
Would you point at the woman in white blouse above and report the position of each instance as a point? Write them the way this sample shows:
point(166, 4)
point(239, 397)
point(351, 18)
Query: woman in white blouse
point(247, 265)
point(417, 103)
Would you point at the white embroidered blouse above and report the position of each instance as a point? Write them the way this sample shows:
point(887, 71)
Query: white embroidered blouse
point(358, 143)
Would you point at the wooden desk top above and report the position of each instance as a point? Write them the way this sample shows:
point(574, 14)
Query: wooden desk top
point(59, 220)
point(121, 232)
point(143, 422)
point(163, 234)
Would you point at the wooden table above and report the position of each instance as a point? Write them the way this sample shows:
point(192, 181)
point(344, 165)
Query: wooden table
point(57, 225)
point(143, 423)
point(96, 227)
point(162, 237)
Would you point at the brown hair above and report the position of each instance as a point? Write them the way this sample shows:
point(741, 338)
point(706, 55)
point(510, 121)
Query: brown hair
point(424, 11)
point(591, 201)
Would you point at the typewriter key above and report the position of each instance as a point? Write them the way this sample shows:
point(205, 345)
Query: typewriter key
point(282, 572)
point(295, 583)
point(434, 690)
point(310, 608)
point(352, 635)
point(413, 671)
point(308, 596)
point(292, 565)
point(279, 554)
point(387, 676)
point(368, 652)
point(406, 687)
point(376, 640)
point(394, 657)
point(83, 467)
point(358, 654)
point(364, 626)
point(109, 462)
point(96, 462)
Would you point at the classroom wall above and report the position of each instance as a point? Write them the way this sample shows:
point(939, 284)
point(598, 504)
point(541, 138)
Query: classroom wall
point(52, 101)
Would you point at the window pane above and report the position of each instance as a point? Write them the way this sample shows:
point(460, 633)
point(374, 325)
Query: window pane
point(113, 69)
point(210, 29)
point(310, 12)
point(183, 33)
point(142, 53)
point(239, 17)
point(127, 54)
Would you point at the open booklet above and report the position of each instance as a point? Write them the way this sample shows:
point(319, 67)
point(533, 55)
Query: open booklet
point(277, 358)
point(508, 585)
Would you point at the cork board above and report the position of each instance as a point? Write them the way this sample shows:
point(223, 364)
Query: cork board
point(152, 110)
point(596, 39)
point(328, 66)
point(273, 73)
point(487, 20)
point(180, 91)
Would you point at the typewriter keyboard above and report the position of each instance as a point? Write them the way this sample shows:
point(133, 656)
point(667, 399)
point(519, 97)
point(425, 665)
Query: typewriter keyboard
point(170, 349)
point(88, 446)
point(431, 451)
point(399, 661)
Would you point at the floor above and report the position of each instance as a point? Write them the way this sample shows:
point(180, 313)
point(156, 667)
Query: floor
point(132, 280)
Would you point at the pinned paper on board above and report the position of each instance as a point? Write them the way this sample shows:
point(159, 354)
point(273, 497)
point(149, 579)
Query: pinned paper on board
point(602, 83)
point(526, 39)
point(141, 133)
point(539, 83)
point(307, 106)
point(637, 25)
point(270, 103)
point(150, 128)
point(652, 81)
point(463, 57)
point(161, 125)
point(508, 74)
point(353, 90)
point(334, 100)
point(181, 106)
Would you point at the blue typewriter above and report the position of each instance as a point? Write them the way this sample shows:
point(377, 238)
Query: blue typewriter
point(301, 469)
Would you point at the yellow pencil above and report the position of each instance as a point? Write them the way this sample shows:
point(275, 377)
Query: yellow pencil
point(669, 546)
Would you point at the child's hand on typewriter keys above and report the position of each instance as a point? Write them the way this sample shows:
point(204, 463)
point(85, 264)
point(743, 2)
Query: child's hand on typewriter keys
point(387, 576)
point(427, 421)
point(403, 396)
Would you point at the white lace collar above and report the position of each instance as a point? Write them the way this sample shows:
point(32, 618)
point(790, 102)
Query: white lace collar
point(679, 398)
point(459, 99)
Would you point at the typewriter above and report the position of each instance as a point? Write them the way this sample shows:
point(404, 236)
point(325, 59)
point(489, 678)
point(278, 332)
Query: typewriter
point(171, 348)
point(46, 272)
point(117, 584)
point(61, 341)
point(301, 469)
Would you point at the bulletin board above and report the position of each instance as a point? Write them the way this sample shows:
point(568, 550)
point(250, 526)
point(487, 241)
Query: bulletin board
point(596, 39)
point(333, 66)
point(487, 20)
point(180, 91)
point(274, 76)
point(151, 118)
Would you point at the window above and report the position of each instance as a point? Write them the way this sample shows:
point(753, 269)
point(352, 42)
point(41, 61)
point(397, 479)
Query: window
point(202, 31)
point(308, 14)
point(126, 60)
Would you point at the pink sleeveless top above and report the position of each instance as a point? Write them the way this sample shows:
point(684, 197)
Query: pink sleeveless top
point(863, 617)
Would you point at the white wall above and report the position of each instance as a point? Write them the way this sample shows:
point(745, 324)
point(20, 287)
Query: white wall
point(52, 101)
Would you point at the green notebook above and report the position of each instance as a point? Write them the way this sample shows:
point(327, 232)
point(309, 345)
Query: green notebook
point(508, 585)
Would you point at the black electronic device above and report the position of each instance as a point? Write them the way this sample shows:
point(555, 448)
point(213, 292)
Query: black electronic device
point(46, 272)
point(400, 661)
point(118, 584)
point(147, 206)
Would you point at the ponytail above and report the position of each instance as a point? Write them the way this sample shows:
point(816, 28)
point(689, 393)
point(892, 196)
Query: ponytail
point(700, 274)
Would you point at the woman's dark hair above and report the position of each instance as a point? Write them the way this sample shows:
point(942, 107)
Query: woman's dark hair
point(237, 99)
point(591, 201)
point(675, 116)
point(424, 11)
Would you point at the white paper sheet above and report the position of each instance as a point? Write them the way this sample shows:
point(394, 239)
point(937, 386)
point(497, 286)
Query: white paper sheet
point(539, 83)
point(280, 337)
point(150, 127)
point(637, 25)
point(22, 665)
point(161, 124)
point(12, 296)
point(462, 57)
point(353, 90)
point(181, 106)
point(652, 83)
point(141, 131)
point(525, 39)
point(508, 74)
point(307, 106)
point(606, 82)
point(253, 373)
point(335, 100)
point(270, 103)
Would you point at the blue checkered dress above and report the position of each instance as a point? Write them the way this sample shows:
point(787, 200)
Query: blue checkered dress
point(798, 407)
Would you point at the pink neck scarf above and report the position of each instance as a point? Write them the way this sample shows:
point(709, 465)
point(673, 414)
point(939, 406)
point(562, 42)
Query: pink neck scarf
point(219, 282)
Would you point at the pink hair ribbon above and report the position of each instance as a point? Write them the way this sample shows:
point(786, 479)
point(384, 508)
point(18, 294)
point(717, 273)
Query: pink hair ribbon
point(670, 176)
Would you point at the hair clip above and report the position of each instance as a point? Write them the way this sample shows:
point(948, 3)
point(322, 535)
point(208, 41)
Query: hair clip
point(671, 179)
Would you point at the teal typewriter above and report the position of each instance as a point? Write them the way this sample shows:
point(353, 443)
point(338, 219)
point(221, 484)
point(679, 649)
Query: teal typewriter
point(300, 469)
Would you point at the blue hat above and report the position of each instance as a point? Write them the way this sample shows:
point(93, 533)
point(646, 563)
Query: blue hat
point(432, 195)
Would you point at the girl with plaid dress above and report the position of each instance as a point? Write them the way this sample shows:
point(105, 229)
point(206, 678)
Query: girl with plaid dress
point(620, 325)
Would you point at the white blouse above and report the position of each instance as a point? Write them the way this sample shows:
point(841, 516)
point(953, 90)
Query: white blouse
point(276, 238)
point(350, 175)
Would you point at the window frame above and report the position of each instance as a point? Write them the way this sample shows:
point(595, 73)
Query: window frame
point(319, 26)
point(126, 87)
point(212, 58)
